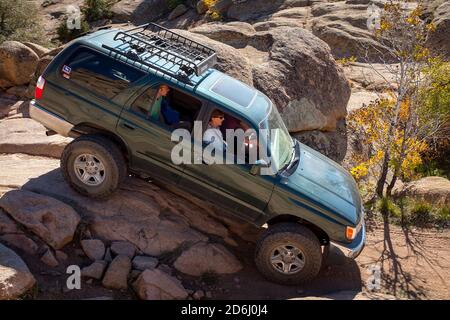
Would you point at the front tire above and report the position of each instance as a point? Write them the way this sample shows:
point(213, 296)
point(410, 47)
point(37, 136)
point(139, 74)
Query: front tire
point(288, 253)
point(93, 165)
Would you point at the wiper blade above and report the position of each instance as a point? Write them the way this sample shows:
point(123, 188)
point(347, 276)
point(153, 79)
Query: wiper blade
point(294, 160)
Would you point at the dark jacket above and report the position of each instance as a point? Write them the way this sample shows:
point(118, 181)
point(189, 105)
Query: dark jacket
point(170, 116)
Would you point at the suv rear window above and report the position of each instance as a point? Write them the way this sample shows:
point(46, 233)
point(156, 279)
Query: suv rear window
point(100, 74)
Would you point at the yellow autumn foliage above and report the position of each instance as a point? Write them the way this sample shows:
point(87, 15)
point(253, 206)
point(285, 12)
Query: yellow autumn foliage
point(372, 123)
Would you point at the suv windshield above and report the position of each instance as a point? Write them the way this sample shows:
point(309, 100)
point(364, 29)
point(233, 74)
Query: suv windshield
point(281, 143)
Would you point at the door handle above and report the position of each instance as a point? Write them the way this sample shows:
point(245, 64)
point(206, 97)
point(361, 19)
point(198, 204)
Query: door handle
point(127, 126)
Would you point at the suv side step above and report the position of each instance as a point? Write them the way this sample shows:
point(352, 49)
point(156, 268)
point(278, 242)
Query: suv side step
point(50, 120)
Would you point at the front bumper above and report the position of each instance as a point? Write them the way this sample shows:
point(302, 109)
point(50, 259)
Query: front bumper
point(353, 249)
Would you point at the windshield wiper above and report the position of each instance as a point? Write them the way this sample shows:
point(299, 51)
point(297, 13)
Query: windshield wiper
point(294, 160)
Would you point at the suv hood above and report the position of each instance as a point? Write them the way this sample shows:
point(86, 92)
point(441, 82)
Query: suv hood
point(328, 184)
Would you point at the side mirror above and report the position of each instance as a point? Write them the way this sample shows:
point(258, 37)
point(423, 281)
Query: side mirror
point(256, 167)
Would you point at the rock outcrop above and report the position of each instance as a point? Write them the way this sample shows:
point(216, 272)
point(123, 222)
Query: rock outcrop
point(207, 257)
point(301, 76)
point(17, 64)
point(139, 11)
point(154, 284)
point(434, 190)
point(438, 40)
point(15, 277)
point(50, 219)
point(28, 136)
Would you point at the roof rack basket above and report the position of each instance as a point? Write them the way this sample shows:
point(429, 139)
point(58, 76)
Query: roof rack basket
point(164, 50)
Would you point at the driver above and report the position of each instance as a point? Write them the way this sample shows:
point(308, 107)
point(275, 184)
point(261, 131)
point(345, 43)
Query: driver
point(161, 110)
point(213, 135)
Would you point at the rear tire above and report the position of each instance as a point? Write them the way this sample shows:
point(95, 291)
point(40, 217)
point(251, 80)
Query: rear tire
point(288, 253)
point(93, 166)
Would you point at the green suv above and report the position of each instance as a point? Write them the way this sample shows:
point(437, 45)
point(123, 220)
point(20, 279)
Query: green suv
point(103, 90)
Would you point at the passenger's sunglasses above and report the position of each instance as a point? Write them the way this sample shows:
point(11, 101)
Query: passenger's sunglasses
point(220, 117)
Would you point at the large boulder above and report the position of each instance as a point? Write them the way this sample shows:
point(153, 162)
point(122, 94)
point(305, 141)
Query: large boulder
point(343, 27)
point(229, 60)
point(17, 64)
point(235, 34)
point(38, 49)
point(15, 277)
point(301, 76)
point(434, 190)
point(178, 11)
point(139, 11)
point(254, 9)
point(371, 76)
point(40, 67)
point(333, 144)
point(154, 284)
point(303, 80)
point(25, 135)
point(206, 257)
point(50, 219)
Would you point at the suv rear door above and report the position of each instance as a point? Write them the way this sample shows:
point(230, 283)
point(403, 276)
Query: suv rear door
point(148, 140)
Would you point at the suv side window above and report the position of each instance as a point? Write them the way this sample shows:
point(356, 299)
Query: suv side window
point(100, 74)
point(247, 149)
point(144, 102)
point(178, 109)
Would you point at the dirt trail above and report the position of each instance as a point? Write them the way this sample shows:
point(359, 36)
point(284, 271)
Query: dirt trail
point(412, 264)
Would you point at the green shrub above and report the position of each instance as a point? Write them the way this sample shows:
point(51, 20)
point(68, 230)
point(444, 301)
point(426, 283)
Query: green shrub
point(65, 34)
point(435, 167)
point(443, 216)
point(94, 10)
point(420, 214)
point(388, 208)
point(20, 21)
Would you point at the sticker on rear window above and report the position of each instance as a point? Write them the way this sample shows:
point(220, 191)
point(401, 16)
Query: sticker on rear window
point(66, 71)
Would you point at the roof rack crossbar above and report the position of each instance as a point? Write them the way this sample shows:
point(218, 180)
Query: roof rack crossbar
point(151, 40)
point(136, 59)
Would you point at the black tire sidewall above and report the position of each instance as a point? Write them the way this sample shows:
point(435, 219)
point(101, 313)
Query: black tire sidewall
point(96, 148)
point(301, 238)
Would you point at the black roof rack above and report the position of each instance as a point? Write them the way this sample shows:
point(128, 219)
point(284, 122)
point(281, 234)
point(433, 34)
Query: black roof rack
point(164, 50)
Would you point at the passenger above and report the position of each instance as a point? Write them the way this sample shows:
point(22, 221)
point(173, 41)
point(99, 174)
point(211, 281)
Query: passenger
point(161, 110)
point(213, 135)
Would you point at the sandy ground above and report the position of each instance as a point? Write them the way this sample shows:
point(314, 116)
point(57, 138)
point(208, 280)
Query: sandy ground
point(412, 265)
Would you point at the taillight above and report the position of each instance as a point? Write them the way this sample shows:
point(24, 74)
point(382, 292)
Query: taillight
point(39, 88)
